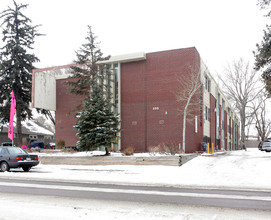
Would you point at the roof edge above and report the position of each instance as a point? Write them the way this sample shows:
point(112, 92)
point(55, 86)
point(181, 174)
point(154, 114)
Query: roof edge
point(125, 58)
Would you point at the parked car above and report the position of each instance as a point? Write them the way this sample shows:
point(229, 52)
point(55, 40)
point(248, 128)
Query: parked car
point(14, 157)
point(260, 145)
point(50, 146)
point(34, 143)
point(267, 145)
point(6, 144)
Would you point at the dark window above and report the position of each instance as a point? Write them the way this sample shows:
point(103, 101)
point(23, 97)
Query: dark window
point(207, 83)
point(207, 112)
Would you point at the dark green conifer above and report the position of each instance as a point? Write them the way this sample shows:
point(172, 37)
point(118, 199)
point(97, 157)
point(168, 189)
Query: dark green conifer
point(86, 71)
point(263, 58)
point(16, 63)
point(97, 125)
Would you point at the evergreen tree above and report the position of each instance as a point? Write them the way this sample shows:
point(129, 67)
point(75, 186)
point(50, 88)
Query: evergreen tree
point(97, 124)
point(263, 53)
point(263, 58)
point(86, 71)
point(16, 63)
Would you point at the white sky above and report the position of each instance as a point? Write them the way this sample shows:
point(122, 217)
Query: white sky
point(221, 30)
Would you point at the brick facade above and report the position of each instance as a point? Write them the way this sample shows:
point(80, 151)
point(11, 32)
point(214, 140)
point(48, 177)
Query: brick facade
point(150, 114)
point(66, 104)
point(226, 130)
point(149, 110)
point(213, 119)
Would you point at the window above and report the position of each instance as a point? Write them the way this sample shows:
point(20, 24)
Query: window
point(110, 79)
point(3, 151)
point(207, 113)
point(16, 150)
point(48, 137)
point(223, 115)
point(196, 124)
point(207, 83)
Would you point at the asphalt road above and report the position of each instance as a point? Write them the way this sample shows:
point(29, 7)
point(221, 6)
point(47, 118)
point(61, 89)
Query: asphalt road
point(237, 199)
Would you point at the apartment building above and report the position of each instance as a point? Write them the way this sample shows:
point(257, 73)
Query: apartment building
point(144, 89)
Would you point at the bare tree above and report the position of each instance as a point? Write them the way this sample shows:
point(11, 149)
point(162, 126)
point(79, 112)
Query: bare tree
point(262, 123)
point(45, 123)
point(189, 83)
point(48, 114)
point(240, 86)
point(249, 124)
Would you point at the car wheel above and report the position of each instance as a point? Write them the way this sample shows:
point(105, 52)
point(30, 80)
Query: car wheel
point(4, 167)
point(26, 169)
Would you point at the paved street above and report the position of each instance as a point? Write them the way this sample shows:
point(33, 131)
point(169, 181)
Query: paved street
point(239, 199)
point(231, 186)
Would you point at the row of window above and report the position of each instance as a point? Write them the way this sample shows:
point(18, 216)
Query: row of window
point(207, 86)
point(110, 79)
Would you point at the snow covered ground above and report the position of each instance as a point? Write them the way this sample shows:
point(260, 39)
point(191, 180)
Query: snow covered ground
point(21, 207)
point(239, 169)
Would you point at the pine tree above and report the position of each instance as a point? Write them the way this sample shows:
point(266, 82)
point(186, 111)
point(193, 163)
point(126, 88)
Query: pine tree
point(86, 71)
point(16, 63)
point(97, 124)
point(263, 58)
point(263, 53)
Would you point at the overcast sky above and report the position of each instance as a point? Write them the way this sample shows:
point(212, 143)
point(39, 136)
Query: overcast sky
point(221, 30)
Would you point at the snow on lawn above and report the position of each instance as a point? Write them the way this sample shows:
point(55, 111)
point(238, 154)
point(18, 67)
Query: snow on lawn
point(236, 169)
point(59, 153)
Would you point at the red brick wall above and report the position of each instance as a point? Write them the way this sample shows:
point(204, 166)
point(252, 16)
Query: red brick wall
point(65, 105)
point(230, 132)
point(226, 130)
point(149, 109)
point(133, 105)
point(220, 129)
point(213, 119)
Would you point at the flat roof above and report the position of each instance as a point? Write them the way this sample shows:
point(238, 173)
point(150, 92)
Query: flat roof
point(125, 58)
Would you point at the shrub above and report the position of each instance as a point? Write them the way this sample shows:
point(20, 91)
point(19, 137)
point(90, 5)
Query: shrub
point(128, 151)
point(112, 149)
point(60, 144)
point(155, 149)
point(170, 148)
